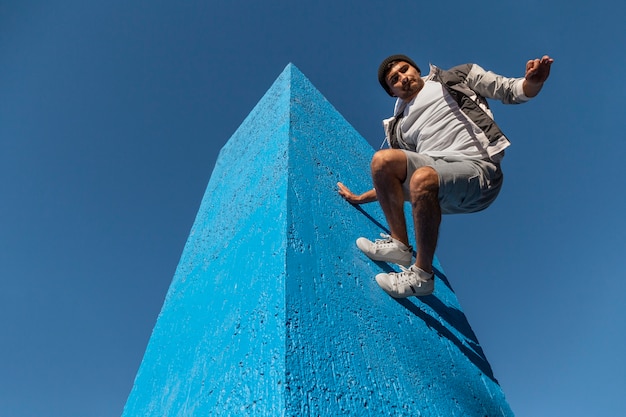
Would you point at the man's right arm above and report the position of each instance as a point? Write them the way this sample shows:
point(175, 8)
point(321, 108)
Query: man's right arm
point(350, 197)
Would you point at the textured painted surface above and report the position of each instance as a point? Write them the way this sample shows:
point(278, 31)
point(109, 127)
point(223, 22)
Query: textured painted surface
point(273, 311)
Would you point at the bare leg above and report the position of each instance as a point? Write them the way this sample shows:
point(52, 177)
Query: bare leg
point(424, 188)
point(388, 173)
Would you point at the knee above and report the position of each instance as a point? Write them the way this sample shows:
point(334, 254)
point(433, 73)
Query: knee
point(388, 161)
point(424, 182)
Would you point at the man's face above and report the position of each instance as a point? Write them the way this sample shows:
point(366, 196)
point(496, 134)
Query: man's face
point(404, 80)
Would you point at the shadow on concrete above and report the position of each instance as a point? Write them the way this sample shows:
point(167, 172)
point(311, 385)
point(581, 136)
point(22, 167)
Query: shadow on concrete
point(469, 347)
point(454, 317)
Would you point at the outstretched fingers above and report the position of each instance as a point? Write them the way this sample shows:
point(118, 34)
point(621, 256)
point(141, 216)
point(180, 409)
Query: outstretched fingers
point(344, 191)
point(352, 198)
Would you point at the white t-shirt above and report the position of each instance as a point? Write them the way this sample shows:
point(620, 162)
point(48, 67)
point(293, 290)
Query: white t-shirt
point(434, 125)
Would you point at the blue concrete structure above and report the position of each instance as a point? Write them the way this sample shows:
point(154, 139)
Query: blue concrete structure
point(273, 311)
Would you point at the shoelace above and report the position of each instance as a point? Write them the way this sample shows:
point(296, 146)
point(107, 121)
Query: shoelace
point(386, 239)
point(406, 276)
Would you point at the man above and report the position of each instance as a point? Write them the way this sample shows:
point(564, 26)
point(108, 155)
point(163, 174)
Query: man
point(444, 157)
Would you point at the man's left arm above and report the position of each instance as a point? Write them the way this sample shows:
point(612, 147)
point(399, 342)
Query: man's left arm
point(510, 90)
point(537, 72)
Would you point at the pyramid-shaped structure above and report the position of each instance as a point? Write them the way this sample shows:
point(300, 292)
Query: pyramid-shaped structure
point(273, 311)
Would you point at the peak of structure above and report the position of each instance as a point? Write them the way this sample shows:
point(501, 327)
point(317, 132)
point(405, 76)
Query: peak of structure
point(274, 311)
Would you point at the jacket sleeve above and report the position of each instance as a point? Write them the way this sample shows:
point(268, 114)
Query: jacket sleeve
point(494, 86)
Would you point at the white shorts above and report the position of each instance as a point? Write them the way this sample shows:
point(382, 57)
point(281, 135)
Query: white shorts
point(465, 185)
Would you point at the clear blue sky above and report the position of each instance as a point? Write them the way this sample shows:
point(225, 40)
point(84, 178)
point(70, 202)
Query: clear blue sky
point(112, 114)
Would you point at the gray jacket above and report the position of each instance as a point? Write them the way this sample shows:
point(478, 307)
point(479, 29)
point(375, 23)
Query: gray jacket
point(470, 85)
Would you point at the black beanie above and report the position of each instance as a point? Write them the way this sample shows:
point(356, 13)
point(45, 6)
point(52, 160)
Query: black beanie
point(383, 70)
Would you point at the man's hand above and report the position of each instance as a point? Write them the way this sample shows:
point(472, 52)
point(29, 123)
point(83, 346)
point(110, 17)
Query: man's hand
point(350, 197)
point(537, 72)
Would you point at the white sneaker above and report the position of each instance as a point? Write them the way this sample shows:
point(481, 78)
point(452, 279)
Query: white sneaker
point(411, 281)
point(387, 249)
